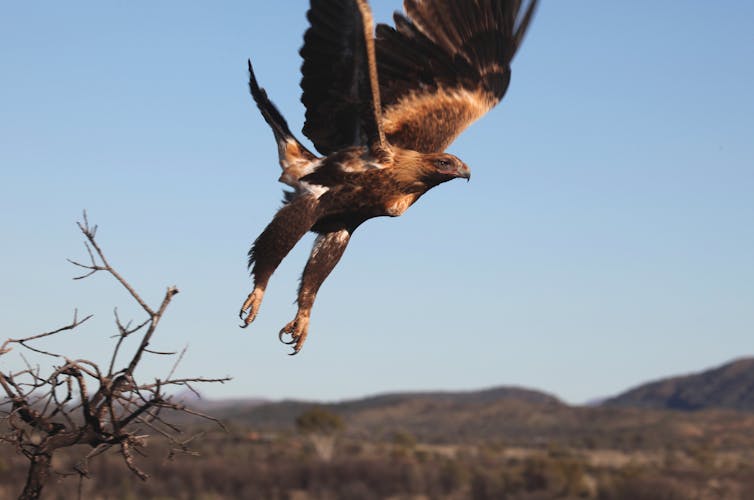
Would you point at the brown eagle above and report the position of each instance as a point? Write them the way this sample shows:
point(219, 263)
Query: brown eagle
point(381, 108)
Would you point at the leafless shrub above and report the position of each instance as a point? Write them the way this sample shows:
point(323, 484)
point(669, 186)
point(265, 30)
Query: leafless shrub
point(80, 402)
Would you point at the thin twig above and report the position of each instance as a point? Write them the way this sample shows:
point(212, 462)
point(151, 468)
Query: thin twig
point(169, 294)
point(46, 413)
point(177, 362)
point(90, 233)
point(74, 324)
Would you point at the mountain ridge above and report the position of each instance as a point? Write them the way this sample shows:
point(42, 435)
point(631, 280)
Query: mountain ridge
point(727, 386)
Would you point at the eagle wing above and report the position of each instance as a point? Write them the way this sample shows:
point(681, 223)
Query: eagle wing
point(339, 77)
point(444, 65)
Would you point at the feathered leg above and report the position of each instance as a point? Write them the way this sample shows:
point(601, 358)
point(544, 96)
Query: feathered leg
point(288, 226)
point(327, 251)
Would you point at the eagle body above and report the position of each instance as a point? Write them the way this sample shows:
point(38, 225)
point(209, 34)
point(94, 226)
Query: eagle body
point(352, 185)
point(382, 106)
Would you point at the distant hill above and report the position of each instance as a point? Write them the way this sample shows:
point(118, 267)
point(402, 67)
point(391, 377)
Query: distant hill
point(730, 386)
point(645, 417)
point(506, 416)
point(438, 416)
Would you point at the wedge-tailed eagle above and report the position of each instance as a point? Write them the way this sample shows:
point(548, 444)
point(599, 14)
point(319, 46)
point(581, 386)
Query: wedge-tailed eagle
point(381, 107)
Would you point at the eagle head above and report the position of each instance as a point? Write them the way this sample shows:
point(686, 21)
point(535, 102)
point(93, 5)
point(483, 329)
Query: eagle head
point(446, 167)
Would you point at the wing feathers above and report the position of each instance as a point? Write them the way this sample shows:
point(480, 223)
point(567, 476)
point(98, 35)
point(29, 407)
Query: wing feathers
point(339, 76)
point(524, 25)
point(444, 66)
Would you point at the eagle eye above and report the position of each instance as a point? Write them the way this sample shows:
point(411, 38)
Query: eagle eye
point(443, 164)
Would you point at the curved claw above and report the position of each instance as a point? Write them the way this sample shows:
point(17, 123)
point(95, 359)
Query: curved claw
point(250, 307)
point(285, 332)
point(295, 351)
point(242, 316)
point(297, 329)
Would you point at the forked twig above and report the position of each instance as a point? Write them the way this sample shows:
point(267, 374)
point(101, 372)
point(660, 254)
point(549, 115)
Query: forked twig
point(78, 403)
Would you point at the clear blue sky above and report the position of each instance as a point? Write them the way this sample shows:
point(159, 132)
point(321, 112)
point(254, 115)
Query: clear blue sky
point(607, 236)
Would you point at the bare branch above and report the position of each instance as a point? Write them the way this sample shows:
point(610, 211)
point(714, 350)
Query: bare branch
point(78, 403)
point(90, 232)
point(186, 381)
point(125, 448)
point(169, 294)
point(93, 267)
point(73, 325)
point(123, 332)
point(160, 353)
point(184, 409)
point(177, 362)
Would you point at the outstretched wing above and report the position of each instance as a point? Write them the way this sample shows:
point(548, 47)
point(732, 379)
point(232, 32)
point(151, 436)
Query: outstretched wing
point(444, 65)
point(339, 81)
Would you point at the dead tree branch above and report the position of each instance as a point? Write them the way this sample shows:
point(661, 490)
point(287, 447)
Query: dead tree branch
point(79, 403)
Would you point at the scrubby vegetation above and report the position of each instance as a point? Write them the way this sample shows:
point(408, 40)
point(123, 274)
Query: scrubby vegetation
point(246, 463)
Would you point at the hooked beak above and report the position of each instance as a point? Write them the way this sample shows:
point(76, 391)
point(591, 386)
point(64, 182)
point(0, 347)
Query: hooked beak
point(464, 172)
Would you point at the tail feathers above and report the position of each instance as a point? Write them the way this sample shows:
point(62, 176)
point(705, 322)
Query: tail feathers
point(289, 148)
point(271, 114)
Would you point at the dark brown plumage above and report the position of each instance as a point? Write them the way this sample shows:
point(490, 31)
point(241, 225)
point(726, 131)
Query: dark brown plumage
point(381, 109)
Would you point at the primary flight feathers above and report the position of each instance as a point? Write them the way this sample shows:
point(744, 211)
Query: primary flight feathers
point(444, 66)
point(381, 107)
point(339, 82)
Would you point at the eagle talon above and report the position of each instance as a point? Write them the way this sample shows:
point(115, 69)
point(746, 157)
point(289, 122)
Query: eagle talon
point(285, 332)
point(297, 329)
point(251, 307)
